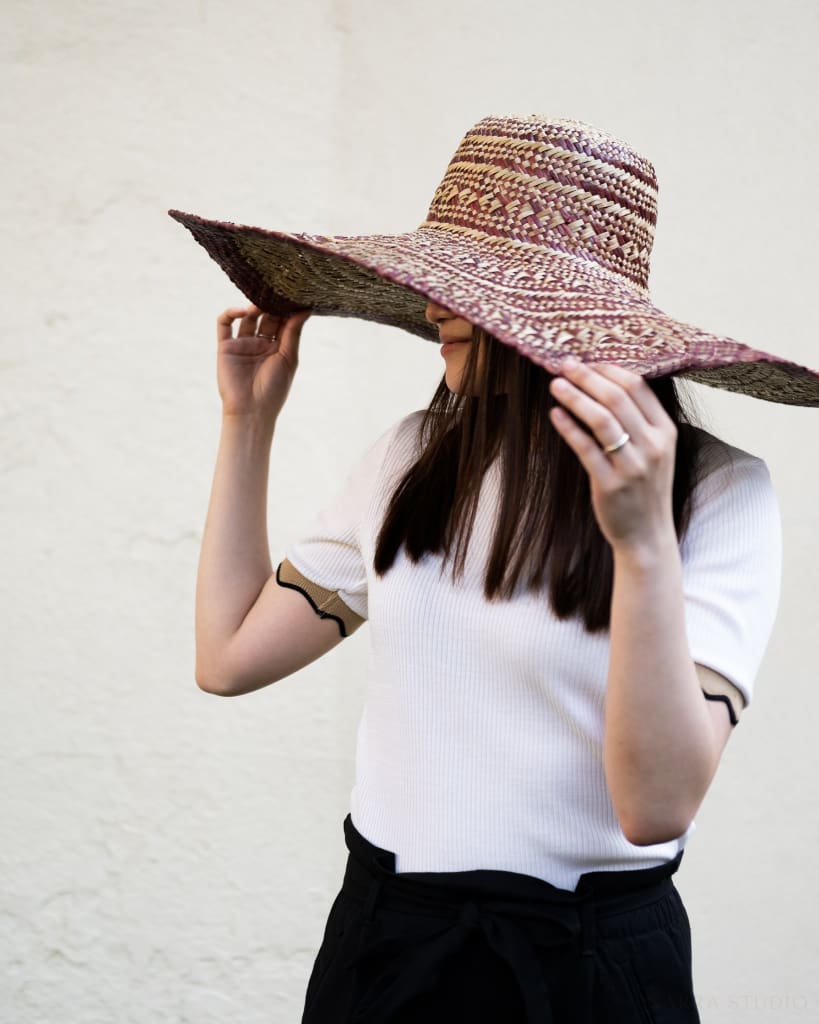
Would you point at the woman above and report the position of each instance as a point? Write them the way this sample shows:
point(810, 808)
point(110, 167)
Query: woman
point(569, 585)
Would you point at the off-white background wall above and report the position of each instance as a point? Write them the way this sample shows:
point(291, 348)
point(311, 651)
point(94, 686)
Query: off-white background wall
point(168, 856)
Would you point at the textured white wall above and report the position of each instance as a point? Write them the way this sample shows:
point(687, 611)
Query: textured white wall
point(167, 856)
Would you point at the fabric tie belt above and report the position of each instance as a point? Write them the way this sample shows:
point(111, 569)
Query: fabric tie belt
point(453, 909)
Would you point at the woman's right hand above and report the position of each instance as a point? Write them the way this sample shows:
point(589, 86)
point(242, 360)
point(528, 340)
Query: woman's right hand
point(256, 367)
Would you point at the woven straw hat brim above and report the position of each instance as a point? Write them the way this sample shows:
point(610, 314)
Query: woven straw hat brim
point(545, 304)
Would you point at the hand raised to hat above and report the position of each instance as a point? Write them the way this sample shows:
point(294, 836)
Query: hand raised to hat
point(256, 367)
point(631, 483)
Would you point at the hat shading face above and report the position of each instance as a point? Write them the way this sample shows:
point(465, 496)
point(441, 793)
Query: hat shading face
point(541, 234)
point(457, 337)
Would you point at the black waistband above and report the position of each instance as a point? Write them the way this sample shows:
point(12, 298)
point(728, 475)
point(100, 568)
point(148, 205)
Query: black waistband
point(602, 886)
point(515, 913)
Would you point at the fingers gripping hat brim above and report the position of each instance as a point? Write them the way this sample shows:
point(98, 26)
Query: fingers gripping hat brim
point(283, 273)
point(541, 234)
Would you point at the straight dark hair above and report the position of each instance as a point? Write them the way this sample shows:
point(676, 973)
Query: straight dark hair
point(546, 533)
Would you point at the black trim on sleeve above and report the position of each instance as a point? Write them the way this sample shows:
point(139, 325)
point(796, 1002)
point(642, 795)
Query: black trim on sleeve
point(320, 612)
point(728, 704)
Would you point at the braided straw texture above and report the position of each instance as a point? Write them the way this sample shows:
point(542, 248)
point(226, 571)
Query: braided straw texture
point(541, 233)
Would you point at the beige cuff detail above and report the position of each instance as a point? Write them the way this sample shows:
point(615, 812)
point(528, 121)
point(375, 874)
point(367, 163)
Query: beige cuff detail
point(326, 603)
point(714, 682)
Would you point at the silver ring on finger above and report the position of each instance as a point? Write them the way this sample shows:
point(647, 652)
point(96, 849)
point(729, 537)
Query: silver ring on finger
point(621, 442)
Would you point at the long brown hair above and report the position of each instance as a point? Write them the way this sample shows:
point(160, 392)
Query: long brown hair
point(546, 532)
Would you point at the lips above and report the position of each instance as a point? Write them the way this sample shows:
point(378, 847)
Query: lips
point(449, 346)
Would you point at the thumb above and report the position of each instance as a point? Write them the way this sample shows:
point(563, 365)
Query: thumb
point(290, 335)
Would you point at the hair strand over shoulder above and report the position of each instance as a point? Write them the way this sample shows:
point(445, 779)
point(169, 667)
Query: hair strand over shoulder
point(546, 535)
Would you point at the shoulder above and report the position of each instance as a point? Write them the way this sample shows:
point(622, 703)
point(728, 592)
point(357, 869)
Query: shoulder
point(406, 431)
point(398, 437)
point(731, 555)
point(400, 444)
point(733, 498)
point(723, 467)
point(387, 456)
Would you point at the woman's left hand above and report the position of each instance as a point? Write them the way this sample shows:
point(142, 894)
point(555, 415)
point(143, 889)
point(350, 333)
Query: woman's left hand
point(631, 488)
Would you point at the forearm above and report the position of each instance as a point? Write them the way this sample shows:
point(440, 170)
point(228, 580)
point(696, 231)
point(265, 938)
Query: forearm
point(234, 561)
point(658, 747)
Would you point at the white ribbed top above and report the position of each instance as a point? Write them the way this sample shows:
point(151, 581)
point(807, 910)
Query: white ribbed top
point(480, 745)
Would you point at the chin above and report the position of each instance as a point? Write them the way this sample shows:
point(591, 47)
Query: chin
point(453, 383)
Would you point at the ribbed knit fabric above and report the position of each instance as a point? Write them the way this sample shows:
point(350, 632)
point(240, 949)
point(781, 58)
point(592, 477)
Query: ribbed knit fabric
point(480, 745)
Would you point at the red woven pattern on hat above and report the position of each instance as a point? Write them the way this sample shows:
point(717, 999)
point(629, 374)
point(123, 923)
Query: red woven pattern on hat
point(556, 185)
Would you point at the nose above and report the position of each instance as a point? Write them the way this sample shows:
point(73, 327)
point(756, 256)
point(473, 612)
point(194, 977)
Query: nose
point(436, 314)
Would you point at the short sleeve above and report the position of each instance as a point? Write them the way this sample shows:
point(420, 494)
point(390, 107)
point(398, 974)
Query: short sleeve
point(732, 568)
point(326, 562)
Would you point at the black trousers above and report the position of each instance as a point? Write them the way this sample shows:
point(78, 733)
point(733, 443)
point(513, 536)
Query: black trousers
point(495, 946)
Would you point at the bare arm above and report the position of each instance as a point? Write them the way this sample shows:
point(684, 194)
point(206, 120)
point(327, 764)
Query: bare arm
point(662, 741)
point(249, 630)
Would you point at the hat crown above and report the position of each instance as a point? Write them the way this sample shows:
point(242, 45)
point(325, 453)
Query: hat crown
point(554, 184)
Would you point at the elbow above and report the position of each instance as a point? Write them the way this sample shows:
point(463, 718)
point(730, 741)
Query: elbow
point(652, 810)
point(208, 682)
point(222, 681)
point(646, 830)
point(654, 836)
point(212, 678)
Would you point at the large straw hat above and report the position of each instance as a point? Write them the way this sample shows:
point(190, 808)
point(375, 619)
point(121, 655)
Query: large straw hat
point(541, 233)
